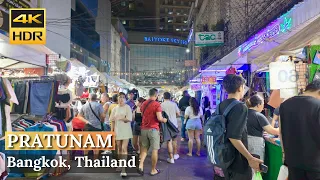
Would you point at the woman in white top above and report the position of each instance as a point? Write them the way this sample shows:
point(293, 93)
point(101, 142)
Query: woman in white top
point(194, 115)
point(121, 117)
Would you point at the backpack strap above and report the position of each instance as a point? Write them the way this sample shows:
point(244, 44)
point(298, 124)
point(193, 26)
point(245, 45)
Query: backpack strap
point(229, 107)
point(217, 109)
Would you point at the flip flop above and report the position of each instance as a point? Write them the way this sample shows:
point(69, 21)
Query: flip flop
point(158, 172)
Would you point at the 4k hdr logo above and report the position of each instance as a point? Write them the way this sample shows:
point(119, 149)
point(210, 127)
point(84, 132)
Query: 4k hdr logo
point(27, 26)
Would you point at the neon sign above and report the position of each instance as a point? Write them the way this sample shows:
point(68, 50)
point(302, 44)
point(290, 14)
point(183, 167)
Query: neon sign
point(165, 40)
point(281, 25)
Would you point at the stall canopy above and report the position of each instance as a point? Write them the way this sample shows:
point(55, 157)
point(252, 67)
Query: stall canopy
point(17, 57)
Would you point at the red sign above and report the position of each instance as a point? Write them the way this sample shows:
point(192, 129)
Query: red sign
point(209, 80)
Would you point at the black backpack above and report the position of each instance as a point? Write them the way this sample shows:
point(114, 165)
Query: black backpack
point(220, 150)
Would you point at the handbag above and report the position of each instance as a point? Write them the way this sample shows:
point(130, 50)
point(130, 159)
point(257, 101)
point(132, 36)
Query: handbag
point(102, 127)
point(283, 173)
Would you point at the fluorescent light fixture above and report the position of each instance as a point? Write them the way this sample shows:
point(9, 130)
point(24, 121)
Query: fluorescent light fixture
point(185, 22)
point(170, 12)
point(177, 29)
point(170, 20)
point(178, 13)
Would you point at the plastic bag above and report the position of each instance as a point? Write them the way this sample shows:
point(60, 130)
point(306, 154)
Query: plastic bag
point(257, 176)
point(283, 173)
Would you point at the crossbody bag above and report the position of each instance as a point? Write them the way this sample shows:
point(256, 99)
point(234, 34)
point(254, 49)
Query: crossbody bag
point(96, 116)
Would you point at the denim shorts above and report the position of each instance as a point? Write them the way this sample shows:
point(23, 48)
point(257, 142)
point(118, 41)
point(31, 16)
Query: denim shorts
point(194, 124)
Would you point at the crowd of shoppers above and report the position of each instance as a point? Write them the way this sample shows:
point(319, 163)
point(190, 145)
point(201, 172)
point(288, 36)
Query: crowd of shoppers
point(139, 121)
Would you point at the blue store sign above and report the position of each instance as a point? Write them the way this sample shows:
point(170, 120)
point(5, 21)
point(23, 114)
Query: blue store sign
point(165, 40)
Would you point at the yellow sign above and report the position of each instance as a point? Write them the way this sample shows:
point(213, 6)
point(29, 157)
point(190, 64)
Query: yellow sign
point(27, 26)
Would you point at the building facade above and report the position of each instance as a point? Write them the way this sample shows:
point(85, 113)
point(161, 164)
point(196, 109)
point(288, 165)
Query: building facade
point(239, 19)
point(157, 59)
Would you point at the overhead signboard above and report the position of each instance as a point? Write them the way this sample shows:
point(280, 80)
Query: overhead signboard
point(165, 40)
point(215, 38)
point(209, 80)
point(282, 75)
point(8, 4)
point(195, 87)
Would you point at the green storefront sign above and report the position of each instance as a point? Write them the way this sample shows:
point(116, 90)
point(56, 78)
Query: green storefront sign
point(209, 38)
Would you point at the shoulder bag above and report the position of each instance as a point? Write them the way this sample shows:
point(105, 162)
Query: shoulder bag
point(96, 116)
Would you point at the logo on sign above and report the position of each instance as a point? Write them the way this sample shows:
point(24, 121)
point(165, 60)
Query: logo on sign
point(27, 26)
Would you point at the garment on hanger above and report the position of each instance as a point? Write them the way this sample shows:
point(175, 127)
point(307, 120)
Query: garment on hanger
point(231, 70)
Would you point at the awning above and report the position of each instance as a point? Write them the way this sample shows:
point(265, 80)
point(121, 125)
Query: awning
point(19, 56)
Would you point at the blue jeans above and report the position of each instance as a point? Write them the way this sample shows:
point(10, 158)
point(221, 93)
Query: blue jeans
point(183, 127)
point(40, 94)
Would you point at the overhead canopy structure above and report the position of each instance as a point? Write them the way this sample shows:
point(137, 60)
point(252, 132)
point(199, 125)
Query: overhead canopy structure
point(7, 63)
point(95, 71)
point(18, 57)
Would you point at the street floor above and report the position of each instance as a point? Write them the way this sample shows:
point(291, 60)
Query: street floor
point(185, 168)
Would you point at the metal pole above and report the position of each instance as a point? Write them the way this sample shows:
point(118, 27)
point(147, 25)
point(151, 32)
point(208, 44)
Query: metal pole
point(129, 66)
point(125, 61)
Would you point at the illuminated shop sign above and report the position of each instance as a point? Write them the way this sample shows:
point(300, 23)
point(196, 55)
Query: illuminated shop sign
point(165, 40)
point(279, 26)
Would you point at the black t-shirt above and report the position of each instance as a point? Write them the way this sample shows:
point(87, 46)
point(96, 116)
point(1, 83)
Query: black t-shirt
point(256, 122)
point(300, 129)
point(237, 129)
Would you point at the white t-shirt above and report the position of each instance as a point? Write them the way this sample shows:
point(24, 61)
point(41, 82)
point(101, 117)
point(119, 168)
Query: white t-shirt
point(171, 109)
point(190, 114)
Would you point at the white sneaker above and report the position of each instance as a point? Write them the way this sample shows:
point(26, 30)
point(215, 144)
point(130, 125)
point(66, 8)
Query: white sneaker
point(171, 161)
point(123, 174)
point(107, 152)
point(176, 156)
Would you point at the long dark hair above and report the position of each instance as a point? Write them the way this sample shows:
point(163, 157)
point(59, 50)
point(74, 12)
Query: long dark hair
point(194, 105)
point(206, 102)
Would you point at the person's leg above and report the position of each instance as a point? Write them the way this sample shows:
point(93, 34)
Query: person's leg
point(170, 152)
point(190, 142)
point(154, 136)
point(175, 146)
point(145, 144)
point(198, 141)
point(183, 128)
point(124, 152)
point(135, 140)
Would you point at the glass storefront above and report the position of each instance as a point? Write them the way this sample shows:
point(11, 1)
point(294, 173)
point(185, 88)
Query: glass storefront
point(157, 58)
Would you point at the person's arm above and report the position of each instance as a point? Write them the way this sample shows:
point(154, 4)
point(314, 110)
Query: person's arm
point(186, 115)
point(128, 117)
point(101, 113)
point(82, 118)
point(271, 130)
point(253, 162)
point(161, 118)
point(274, 119)
point(112, 119)
point(177, 110)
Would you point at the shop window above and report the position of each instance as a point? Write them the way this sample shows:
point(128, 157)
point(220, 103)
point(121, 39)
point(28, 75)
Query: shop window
point(131, 6)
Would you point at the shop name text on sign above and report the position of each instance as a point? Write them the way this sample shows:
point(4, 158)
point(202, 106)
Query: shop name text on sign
point(27, 26)
point(209, 80)
point(209, 38)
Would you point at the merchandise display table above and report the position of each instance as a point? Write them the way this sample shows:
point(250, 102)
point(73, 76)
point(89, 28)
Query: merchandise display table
point(273, 159)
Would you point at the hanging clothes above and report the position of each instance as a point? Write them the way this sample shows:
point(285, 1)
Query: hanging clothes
point(40, 94)
point(25, 105)
point(20, 91)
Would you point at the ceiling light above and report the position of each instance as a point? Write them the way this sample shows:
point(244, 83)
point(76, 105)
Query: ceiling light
point(178, 13)
point(185, 22)
point(170, 12)
point(170, 20)
point(177, 29)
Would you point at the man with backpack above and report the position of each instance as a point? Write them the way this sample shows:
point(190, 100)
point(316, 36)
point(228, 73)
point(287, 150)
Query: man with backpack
point(226, 134)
